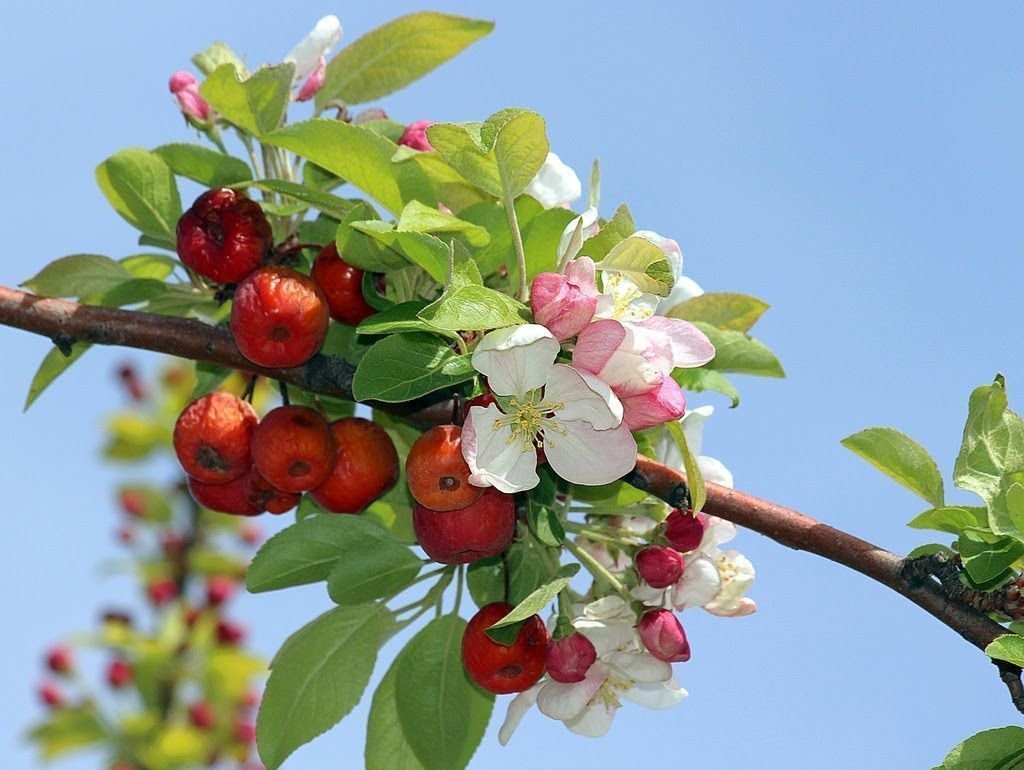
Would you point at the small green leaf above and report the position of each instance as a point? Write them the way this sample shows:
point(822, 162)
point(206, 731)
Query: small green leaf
point(155, 266)
point(642, 262)
point(214, 56)
point(612, 232)
point(79, 275)
point(354, 153)
point(530, 566)
point(740, 353)
point(402, 317)
point(317, 677)
point(442, 714)
point(699, 380)
point(694, 479)
point(1014, 499)
point(141, 188)
point(541, 236)
point(987, 556)
point(1009, 647)
point(54, 364)
point(68, 729)
point(371, 567)
point(738, 312)
point(468, 308)
point(534, 603)
point(403, 248)
point(417, 218)
point(332, 205)
point(545, 524)
point(952, 519)
point(395, 54)
point(406, 366)
point(203, 165)
point(208, 378)
point(930, 549)
point(256, 104)
point(900, 458)
point(998, 749)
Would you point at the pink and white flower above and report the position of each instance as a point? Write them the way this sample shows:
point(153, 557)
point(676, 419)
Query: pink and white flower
point(624, 670)
point(565, 302)
point(572, 415)
point(555, 184)
point(637, 359)
point(314, 82)
point(311, 50)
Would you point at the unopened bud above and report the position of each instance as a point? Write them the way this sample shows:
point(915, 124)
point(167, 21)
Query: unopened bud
point(185, 88)
point(60, 659)
point(415, 135)
point(659, 565)
point(663, 636)
point(314, 82)
point(568, 659)
point(684, 531)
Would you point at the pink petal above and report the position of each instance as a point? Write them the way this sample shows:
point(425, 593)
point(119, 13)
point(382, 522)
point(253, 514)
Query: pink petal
point(690, 346)
point(663, 404)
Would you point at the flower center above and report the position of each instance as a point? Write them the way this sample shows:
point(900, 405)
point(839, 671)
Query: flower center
point(530, 419)
point(610, 689)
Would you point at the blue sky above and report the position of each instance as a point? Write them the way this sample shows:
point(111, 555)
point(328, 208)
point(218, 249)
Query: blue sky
point(858, 166)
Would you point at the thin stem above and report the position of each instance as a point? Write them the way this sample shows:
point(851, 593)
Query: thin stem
point(459, 577)
point(247, 142)
point(615, 534)
point(517, 243)
point(598, 570)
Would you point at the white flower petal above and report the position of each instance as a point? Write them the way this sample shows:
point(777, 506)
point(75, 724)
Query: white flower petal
point(608, 608)
point(567, 701)
point(690, 346)
point(714, 471)
point(699, 584)
point(716, 532)
point(555, 184)
point(590, 457)
point(494, 460)
point(692, 424)
point(595, 721)
point(662, 695)
point(568, 245)
point(639, 666)
point(517, 709)
point(318, 42)
point(516, 359)
point(584, 396)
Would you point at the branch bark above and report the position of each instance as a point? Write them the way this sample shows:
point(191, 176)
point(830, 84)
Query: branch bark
point(66, 322)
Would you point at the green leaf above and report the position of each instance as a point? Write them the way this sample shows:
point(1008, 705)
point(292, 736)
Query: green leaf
point(354, 153)
point(417, 218)
point(442, 714)
point(739, 353)
point(371, 567)
point(317, 677)
point(68, 729)
point(216, 55)
point(203, 165)
point(469, 308)
point(402, 248)
point(699, 380)
point(306, 552)
point(530, 566)
point(1009, 647)
point(987, 556)
point(395, 54)
point(332, 205)
point(500, 156)
point(738, 312)
point(406, 366)
point(54, 364)
point(992, 447)
point(531, 605)
point(386, 745)
point(952, 519)
point(541, 236)
point(141, 188)
point(930, 549)
point(79, 275)
point(544, 523)
point(1014, 504)
point(402, 317)
point(643, 263)
point(256, 104)
point(900, 458)
point(694, 479)
point(208, 378)
point(612, 232)
point(155, 266)
point(998, 749)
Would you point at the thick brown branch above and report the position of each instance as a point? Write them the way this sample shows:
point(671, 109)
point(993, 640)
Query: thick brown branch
point(67, 322)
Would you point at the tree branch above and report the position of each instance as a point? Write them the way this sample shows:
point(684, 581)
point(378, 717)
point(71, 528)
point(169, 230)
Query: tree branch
point(66, 322)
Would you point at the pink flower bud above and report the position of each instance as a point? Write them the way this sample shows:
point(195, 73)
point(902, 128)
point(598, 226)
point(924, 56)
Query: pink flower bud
point(60, 659)
point(51, 694)
point(666, 403)
point(565, 304)
point(659, 566)
point(415, 135)
point(684, 531)
point(219, 589)
point(569, 658)
point(186, 88)
point(663, 636)
point(314, 82)
point(119, 673)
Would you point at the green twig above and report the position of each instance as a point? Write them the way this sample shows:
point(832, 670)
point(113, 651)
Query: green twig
point(598, 570)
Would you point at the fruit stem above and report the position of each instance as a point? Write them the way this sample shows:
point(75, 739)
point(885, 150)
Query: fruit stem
point(598, 570)
point(284, 392)
point(459, 575)
point(517, 243)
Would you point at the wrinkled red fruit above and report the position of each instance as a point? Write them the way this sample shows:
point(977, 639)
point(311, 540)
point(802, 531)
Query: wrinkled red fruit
point(212, 437)
point(365, 468)
point(292, 448)
point(119, 673)
point(224, 236)
point(225, 498)
point(263, 495)
point(437, 473)
point(468, 534)
point(279, 317)
point(497, 668)
point(342, 285)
